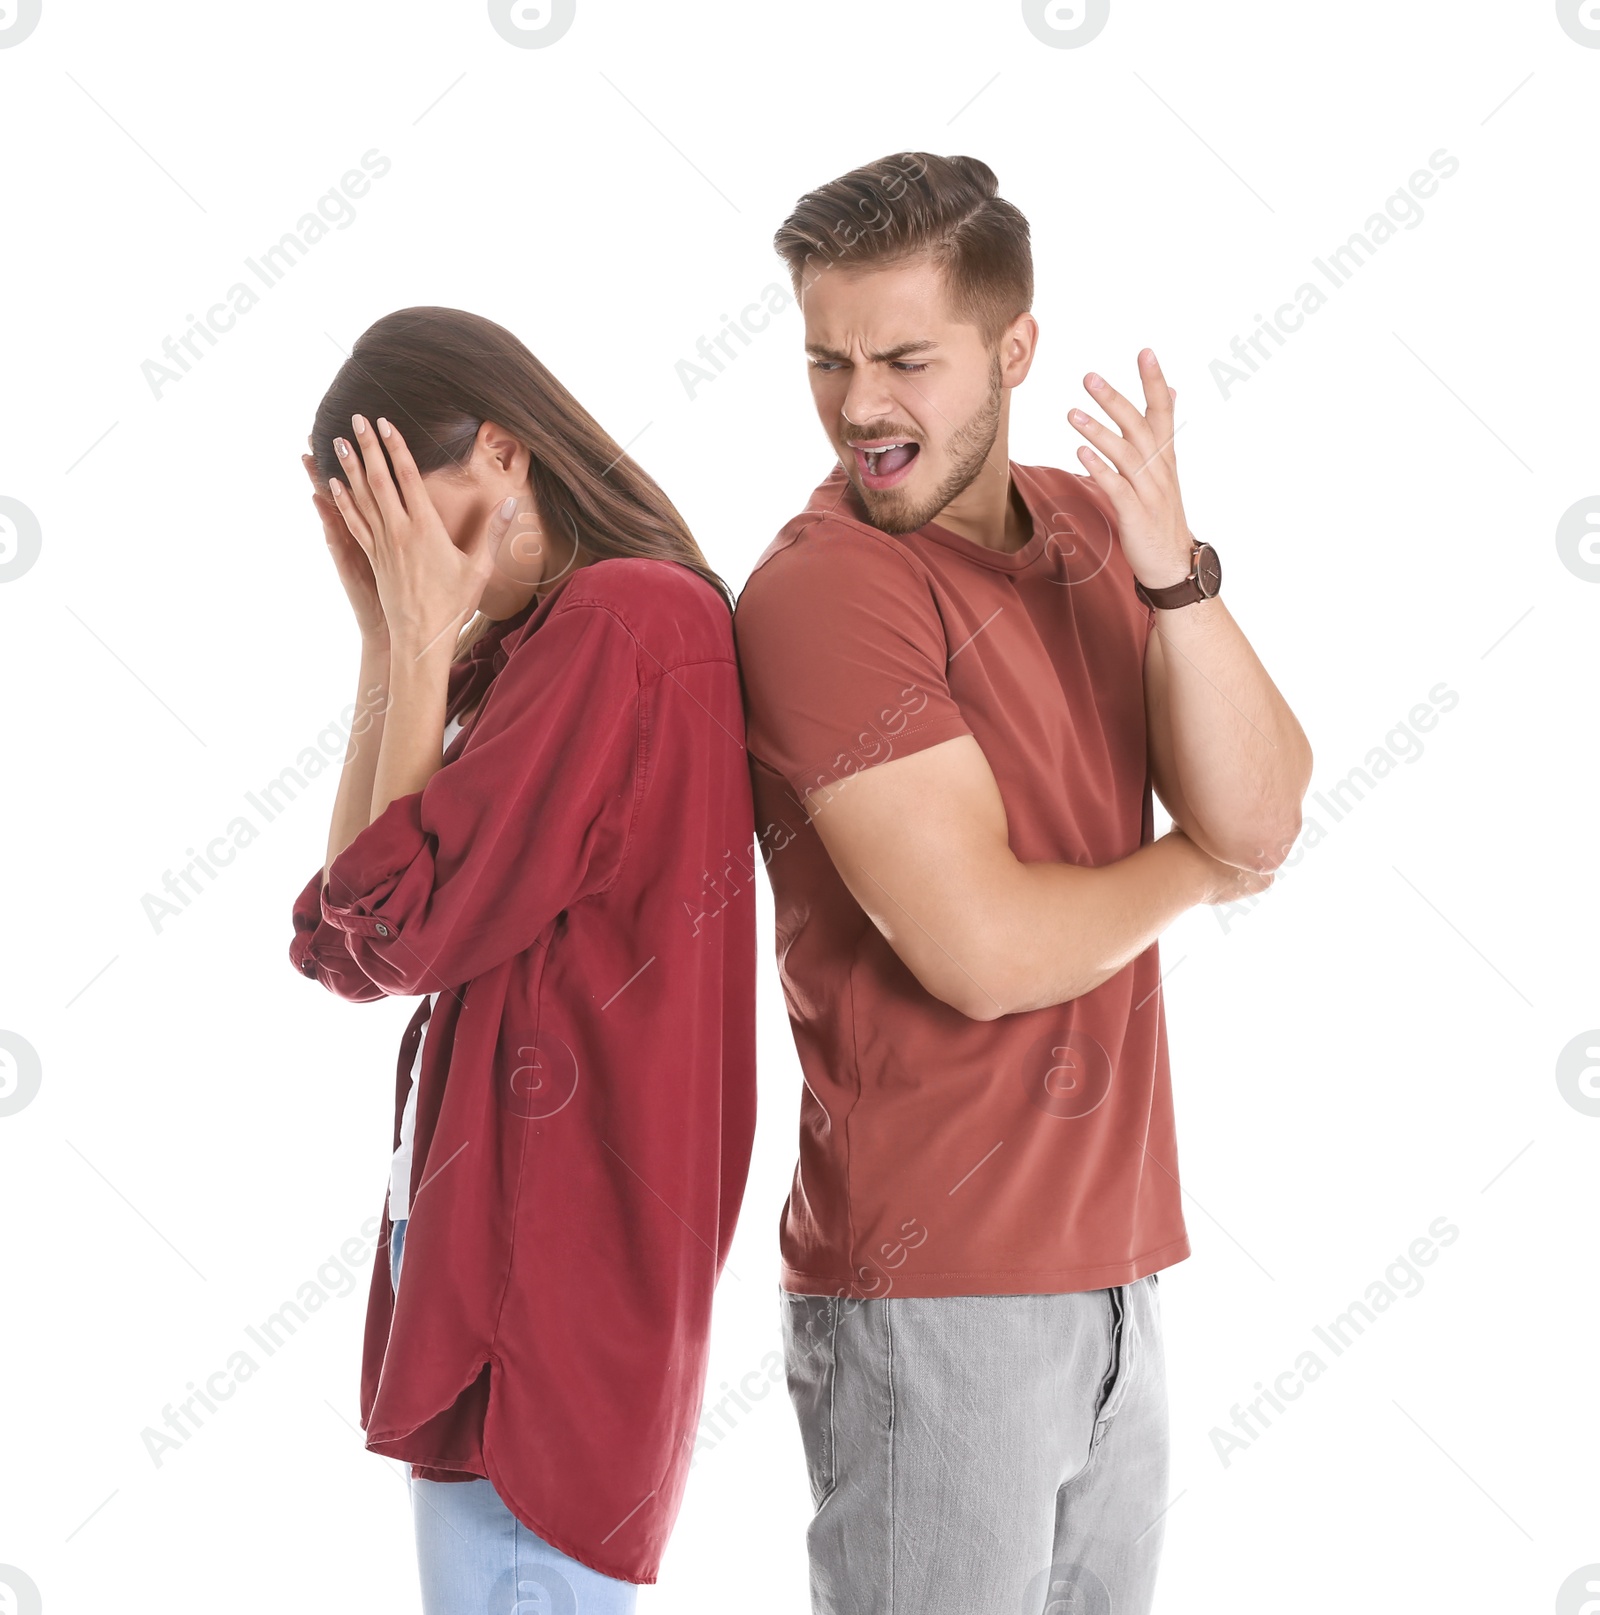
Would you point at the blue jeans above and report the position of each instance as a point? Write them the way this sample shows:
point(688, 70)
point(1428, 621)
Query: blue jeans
point(476, 1557)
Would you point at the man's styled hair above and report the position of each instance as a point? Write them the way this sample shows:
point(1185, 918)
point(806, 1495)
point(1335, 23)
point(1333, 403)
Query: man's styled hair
point(911, 205)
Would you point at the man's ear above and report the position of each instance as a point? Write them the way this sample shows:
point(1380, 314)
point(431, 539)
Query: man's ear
point(1018, 344)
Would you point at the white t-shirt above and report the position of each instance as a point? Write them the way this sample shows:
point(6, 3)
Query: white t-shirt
point(400, 1166)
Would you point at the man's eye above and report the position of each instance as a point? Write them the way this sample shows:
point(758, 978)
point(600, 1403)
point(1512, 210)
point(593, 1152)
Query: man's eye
point(906, 367)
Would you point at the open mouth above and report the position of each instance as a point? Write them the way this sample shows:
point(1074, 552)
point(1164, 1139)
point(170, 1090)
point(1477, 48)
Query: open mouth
point(884, 464)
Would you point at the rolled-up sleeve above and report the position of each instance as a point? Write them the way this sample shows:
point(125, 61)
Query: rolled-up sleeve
point(318, 949)
point(533, 817)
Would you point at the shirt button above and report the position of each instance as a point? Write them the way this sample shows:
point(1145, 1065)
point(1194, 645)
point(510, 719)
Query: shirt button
point(383, 930)
point(308, 967)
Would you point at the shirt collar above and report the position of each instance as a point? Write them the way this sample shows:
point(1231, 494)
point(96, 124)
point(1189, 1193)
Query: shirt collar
point(471, 674)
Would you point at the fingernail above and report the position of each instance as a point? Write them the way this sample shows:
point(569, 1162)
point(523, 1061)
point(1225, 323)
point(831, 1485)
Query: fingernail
point(335, 487)
point(507, 505)
point(359, 424)
point(341, 447)
point(1095, 381)
point(383, 426)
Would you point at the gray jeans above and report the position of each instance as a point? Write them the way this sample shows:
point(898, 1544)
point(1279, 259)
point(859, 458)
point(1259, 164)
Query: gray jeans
point(982, 1454)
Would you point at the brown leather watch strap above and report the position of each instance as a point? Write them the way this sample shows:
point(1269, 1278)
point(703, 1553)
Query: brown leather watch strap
point(1203, 582)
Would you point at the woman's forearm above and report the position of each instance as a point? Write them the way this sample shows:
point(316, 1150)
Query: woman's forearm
point(352, 806)
point(412, 747)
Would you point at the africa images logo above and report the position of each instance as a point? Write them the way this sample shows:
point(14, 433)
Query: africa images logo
point(531, 24)
point(1068, 1074)
point(18, 19)
point(1065, 24)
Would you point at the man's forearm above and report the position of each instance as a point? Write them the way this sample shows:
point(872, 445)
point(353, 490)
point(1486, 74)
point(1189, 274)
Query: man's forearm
point(1242, 759)
point(1053, 932)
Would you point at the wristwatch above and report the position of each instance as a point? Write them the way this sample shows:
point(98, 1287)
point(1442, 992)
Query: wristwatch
point(1203, 582)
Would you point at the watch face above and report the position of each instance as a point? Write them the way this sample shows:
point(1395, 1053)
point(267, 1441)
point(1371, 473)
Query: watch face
point(1208, 571)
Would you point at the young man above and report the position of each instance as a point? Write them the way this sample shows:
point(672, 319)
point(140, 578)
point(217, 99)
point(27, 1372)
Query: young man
point(962, 677)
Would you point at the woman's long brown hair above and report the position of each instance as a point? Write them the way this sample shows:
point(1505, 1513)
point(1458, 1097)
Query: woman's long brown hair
point(440, 373)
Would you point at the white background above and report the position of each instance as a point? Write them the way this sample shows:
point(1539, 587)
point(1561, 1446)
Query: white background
point(1371, 1048)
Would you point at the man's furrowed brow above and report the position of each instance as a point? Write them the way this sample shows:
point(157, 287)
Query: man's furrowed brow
point(900, 350)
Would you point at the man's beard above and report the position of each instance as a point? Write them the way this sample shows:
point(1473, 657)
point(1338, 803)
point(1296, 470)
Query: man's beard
point(968, 447)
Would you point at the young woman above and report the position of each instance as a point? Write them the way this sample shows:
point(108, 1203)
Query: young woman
point(540, 828)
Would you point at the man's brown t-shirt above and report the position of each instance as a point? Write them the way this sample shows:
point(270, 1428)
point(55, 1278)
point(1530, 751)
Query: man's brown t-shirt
point(941, 1155)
